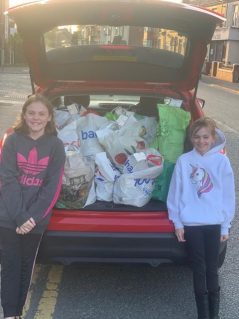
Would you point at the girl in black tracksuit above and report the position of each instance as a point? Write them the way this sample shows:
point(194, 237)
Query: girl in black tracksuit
point(31, 168)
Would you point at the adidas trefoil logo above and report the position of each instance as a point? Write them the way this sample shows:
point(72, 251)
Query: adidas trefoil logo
point(31, 166)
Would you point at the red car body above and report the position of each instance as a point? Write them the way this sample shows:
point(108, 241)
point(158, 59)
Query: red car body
point(108, 232)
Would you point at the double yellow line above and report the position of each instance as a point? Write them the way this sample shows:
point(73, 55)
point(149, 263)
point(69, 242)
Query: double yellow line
point(47, 303)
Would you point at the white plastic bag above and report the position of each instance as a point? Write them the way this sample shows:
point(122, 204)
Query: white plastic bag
point(136, 185)
point(105, 175)
point(65, 117)
point(70, 137)
point(62, 118)
point(121, 139)
point(86, 128)
point(149, 123)
point(78, 182)
point(143, 160)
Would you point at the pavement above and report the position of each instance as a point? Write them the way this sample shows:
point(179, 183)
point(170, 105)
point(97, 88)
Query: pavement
point(15, 84)
point(9, 69)
point(233, 87)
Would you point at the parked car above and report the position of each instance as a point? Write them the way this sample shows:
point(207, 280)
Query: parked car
point(118, 53)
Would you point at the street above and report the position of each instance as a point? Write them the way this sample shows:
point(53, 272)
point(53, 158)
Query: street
point(106, 291)
point(14, 88)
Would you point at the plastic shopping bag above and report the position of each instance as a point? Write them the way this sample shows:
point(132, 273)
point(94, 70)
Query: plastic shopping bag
point(136, 185)
point(149, 125)
point(62, 118)
point(162, 182)
point(78, 182)
point(121, 139)
point(86, 129)
point(70, 138)
point(105, 175)
point(171, 131)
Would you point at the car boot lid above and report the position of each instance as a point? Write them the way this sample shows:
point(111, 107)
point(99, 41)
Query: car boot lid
point(168, 63)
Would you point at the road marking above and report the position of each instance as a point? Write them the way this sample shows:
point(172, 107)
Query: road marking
point(29, 296)
point(225, 88)
point(48, 300)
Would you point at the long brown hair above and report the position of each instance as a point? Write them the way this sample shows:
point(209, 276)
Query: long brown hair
point(21, 127)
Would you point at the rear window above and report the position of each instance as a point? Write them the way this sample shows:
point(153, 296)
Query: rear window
point(78, 43)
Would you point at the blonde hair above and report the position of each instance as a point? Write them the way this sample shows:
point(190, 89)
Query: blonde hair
point(203, 122)
point(21, 127)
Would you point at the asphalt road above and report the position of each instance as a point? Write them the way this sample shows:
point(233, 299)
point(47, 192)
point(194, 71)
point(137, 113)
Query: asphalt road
point(221, 103)
point(101, 291)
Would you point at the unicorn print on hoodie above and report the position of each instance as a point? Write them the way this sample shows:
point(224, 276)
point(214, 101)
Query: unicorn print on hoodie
point(201, 179)
point(195, 177)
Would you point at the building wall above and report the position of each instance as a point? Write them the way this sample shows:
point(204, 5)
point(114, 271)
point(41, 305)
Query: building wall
point(3, 19)
point(3, 7)
point(233, 52)
point(226, 37)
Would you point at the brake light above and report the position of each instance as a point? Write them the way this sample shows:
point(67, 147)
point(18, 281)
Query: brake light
point(115, 47)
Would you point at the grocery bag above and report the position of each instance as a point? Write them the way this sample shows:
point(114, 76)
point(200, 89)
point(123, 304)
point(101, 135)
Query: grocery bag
point(149, 124)
point(171, 131)
point(70, 137)
point(62, 118)
point(135, 186)
point(86, 128)
point(121, 139)
point(105, 175)
point(78, 182)
point(162, 182)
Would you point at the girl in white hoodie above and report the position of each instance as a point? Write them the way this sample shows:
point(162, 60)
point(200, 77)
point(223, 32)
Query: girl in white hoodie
point(201, 204)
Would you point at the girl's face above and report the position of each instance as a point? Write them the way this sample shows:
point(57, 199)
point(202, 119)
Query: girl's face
point(36, 117)
point(203, 140)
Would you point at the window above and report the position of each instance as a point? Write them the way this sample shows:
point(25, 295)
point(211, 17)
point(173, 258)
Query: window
point(101, 43)
point(80, 35)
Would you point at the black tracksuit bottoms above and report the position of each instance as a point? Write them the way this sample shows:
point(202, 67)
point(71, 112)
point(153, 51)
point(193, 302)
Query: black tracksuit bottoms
point(17, 263)
point(202, 244)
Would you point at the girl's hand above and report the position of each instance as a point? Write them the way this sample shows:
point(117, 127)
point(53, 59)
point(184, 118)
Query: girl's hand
point(26, 227)
point(179, 232)
point(224, 237)
point(19, 231)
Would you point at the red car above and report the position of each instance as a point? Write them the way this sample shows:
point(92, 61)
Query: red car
point(117, 53)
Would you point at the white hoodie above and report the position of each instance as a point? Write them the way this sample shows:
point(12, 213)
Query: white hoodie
point(202, 190)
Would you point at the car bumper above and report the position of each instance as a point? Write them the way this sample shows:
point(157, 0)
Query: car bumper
point(72, 247)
